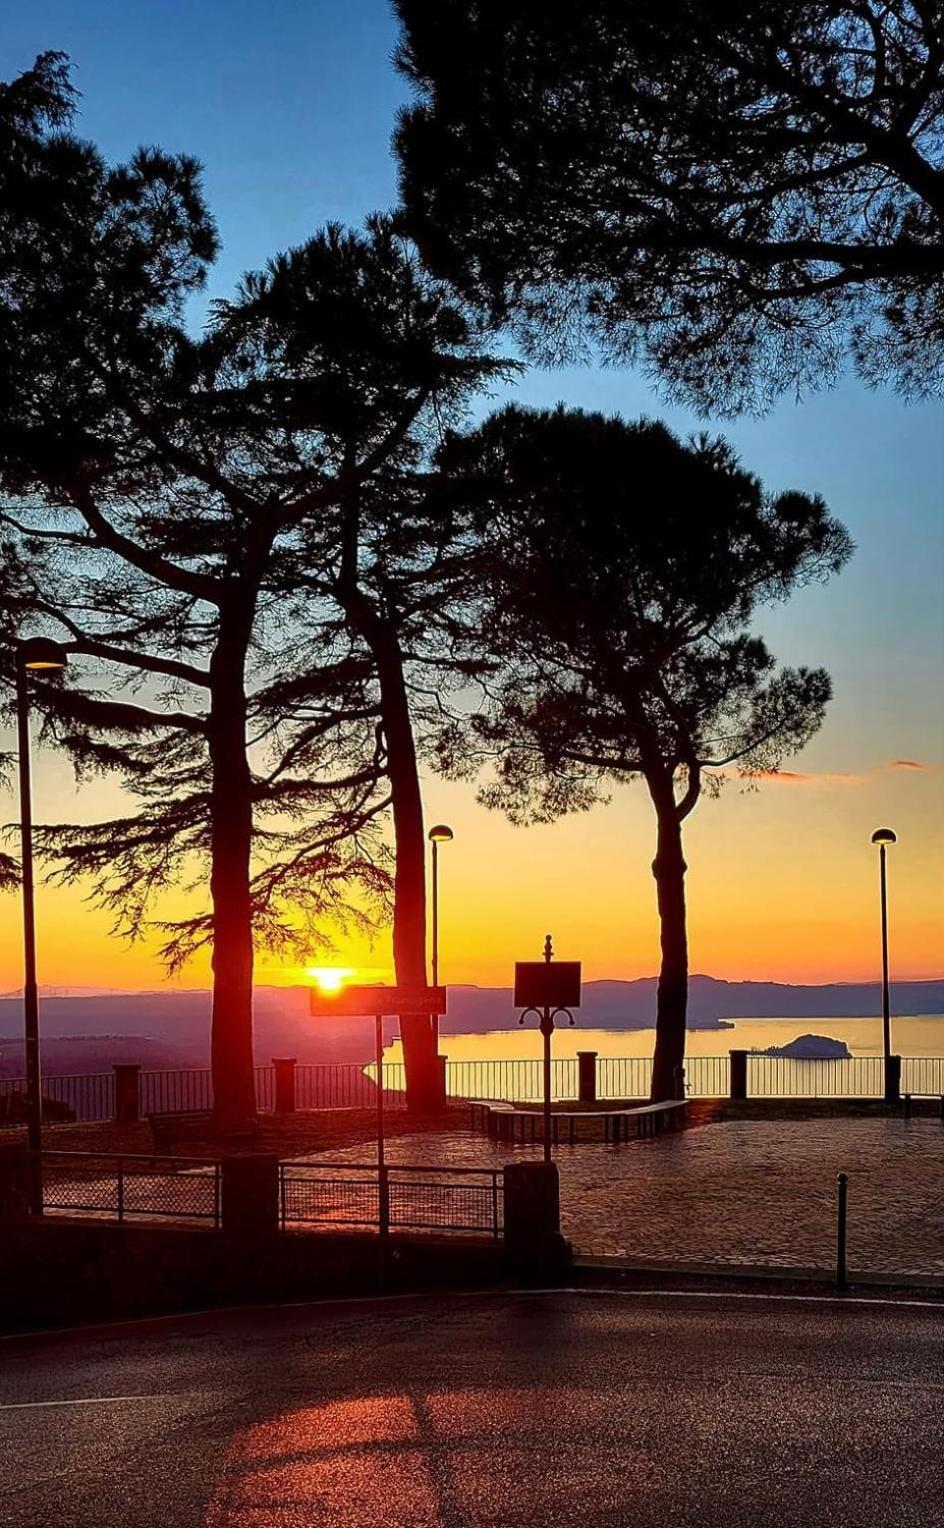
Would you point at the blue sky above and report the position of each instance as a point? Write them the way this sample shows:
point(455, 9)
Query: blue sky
point(290, 107)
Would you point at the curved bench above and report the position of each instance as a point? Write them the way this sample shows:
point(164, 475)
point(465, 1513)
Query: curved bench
point(506, 1122)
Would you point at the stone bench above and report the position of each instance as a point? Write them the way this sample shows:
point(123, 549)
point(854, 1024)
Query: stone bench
point(507, 1122)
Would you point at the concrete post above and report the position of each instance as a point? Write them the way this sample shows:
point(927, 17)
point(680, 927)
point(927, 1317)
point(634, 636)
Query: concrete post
point(532, 1215)
point(14, 1181)
point(587, 1077)
point(738, 1074)
point(127, 1093)
point(284, 1085)
point(249, 1194)
point(893, 1080)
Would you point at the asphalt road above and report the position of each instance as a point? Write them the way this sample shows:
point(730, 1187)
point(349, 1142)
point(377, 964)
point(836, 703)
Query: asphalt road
point(567, 1408)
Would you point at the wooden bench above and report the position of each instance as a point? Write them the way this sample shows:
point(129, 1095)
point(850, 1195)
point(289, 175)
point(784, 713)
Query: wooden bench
point(177, 1127)
point(505, 1122)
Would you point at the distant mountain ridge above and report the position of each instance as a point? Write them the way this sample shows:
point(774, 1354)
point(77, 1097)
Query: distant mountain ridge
point(174, 1026)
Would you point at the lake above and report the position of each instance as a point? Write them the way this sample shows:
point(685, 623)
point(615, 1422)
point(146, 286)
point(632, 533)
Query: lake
point(475, 1070)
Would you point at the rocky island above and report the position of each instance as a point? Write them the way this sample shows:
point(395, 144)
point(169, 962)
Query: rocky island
point(812, 1048)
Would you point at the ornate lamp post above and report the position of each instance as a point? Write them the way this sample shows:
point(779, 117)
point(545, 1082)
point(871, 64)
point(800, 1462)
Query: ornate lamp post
point(34, 655)
point(883, 837)
point(547, 989)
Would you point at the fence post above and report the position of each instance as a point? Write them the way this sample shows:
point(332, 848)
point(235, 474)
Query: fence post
point(738, 1089)
point(893, 1080)
point(843, 1186)
point(15, 1171)
point(533, 1237)
point(127, 1092)
point(284, 1085)
point(249, 1194)
point(587, 1077)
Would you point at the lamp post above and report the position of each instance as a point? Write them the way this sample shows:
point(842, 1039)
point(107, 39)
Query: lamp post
point(547, 989)
point(34, 655)
point(440, 833)
point(883, 837)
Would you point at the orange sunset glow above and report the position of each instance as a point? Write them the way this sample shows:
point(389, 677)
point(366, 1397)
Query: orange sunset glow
point(782, 885)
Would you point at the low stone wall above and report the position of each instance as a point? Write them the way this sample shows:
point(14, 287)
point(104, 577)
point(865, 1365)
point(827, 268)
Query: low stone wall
point(55, 1271)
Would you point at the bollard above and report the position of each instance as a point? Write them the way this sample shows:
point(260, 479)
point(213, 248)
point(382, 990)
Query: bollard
point(843, 1187)
point(587, 1077)
point(127, 1093)
point(738, 1087)
point(284, 1085)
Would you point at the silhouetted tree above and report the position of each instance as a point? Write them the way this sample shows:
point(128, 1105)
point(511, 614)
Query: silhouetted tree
point(735, 194)
point(620, 569)
point(385, 562)
point(166, 495)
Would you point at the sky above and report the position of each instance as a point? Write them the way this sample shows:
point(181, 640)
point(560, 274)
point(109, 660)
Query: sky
point(290, 107)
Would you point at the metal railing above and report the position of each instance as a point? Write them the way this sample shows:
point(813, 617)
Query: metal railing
point(129, 1187)
point(630, 1076)
point(922, 1074)
point(346, 1085)
point(397, 1198)
point(176, 1090)
point(788, 1077)
point(89, 1097)
point(518, 1081)
point(85, 1096)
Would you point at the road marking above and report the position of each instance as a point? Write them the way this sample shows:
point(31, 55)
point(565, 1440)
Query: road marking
point(84, 1400)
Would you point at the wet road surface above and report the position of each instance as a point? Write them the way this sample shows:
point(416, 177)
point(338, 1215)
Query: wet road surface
point(527, 1409)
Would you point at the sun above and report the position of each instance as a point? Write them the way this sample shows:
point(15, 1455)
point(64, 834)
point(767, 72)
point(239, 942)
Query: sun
point(329, 978)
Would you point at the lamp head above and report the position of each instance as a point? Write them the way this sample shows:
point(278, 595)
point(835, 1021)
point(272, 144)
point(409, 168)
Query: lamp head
point(440, 834)
point(41, 653)
point(884, 836)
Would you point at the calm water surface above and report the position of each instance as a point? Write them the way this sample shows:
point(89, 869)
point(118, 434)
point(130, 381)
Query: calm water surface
point(918, 1036)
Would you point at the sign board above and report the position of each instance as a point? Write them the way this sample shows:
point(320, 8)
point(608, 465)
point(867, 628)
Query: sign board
point(547, 984)
point(376, 1001)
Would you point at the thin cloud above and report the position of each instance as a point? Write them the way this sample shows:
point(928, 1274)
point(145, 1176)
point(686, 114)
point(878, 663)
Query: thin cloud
point(790, 776)
point(907, 764)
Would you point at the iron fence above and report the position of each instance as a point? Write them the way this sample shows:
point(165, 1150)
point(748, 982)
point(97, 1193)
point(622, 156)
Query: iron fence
point(400, 1198)
point(265, 1088)
point(130, 1187)
point(789, 1077)
point(922, 1074)
point(346, 1085)
point(85, 1096)
point(518, 1081)
point(174, 1091)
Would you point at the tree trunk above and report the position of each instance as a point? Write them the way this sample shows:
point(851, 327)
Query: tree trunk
point(424, 1077)
point(669, 867)
point(231, 848)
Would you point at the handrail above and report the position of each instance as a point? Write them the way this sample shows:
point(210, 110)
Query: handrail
point(393, 1167)
point(125, 1156)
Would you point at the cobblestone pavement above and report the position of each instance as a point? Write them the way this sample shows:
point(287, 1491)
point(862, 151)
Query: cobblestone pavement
point(739, 1192)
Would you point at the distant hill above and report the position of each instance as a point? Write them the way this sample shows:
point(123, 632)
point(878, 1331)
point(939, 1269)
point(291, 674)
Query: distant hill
point(166, 1029)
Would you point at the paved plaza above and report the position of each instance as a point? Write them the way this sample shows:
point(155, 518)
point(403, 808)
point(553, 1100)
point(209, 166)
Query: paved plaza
point(739, 1192)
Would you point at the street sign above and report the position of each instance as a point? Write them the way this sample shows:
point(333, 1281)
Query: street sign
point(376, 1001)
point(547, 984)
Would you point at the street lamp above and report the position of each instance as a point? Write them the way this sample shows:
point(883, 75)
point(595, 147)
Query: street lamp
point(883, 837)
point(440, 833)
point(33, 655)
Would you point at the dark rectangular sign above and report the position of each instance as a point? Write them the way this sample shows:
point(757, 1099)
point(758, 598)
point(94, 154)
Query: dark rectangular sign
point(376, 1001)
point(547, 984)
